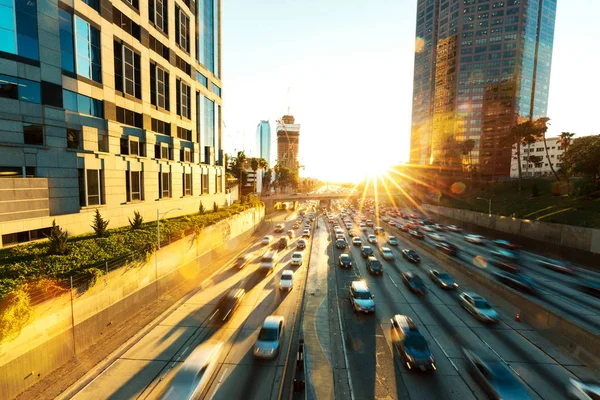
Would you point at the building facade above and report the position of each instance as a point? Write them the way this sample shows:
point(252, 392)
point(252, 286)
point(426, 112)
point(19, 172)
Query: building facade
point(263, 141)
point(480, 66)
point(534, 161)
point(288, 142)
point(109, 105)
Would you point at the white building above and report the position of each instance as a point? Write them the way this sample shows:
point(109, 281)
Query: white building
point(542, 168)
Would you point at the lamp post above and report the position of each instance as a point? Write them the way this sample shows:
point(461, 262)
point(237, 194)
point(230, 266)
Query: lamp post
point(489, 201)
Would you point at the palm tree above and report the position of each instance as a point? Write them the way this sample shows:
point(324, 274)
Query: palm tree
point(564, 140)
point(523, 132)
point(254, 166)
point(240, 160)
point(541, 126)
point(466, 147)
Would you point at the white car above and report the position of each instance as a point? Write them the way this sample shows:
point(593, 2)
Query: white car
point(478, 307)
point(297, 258)
point(372, 239)
point(348, 226)
point(306, 233)
point(386, 253)
point(437, 237)
point(427, 228)
point(453, 228)
point(266, 240)
point(270, 338)
point(356, 241)
point(583, 390)
point(476, 239)
point(363, 227)
point(286, 280)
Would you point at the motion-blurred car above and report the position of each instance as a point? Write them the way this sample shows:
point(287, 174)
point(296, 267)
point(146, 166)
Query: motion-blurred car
point(439, 227)
point(374, 266)
point(366, 251)
point(348, 226)
point(196, 372)
point(356, 241)
point(370, 223)
point(427, 228)
point(279, 228)
point(517, 281)
point(363, 227)
point(414, 283)
point(301, 244)
point(352, 234)
point(447, 248)
point(590, 287)
point(372, 239)
point(453, 228)
point(443, 279)
point(508, 267)
point(306, 233)
point(242, 261)
point(270, 338)
point(411, 256)
point(437, 237)
point(290, 234)
point(378, 230)
point(410, 344)
point(283, 242)
point(386, 253)
point(341, 243)
point(475, 239)
point(556, 266)
point(416, 234)
point(286, 280)
point(345, 260)
point(361, 297)
point(392, 241)
point(494, 377)
point(505, 244)
point(296, 225)
point(504, 255)
point(266, 240)
point(478, 307)
point(583, 390)
point(229, 303)
point(339, 236)
point(297, 258)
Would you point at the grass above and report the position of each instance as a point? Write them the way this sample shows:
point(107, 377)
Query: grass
point(570, 210)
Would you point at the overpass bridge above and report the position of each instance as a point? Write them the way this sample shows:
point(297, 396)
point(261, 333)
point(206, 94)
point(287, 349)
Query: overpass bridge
point(272, 202)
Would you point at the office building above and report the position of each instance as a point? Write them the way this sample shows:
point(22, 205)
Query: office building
point(263, 141)
point(480, 66)
point(107, 105)
point(288, 138)
point(534, 161)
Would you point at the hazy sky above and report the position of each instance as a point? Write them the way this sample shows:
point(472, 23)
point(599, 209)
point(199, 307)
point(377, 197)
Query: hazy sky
point(345, 68)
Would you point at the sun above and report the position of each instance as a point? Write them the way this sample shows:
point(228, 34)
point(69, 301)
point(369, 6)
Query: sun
point(374, 168)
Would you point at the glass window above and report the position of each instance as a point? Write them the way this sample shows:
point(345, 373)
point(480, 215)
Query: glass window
point(33, 134)
point(159, 87)
point(201, 79)
point(164, 184)
point(91, 187)
point(88, 50)
point(73, 139)
point(127, 70)
point(215, 89)
point(18, 28)
point(67, 51)
point(134, 184)
point(20, 89)
point(187, 184)
point(183, 99)
point(182, 29)
point(158, 10)
point(82, 104)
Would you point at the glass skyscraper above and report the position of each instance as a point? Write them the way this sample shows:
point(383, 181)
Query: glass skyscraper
point(480, 67)
point(263, 141)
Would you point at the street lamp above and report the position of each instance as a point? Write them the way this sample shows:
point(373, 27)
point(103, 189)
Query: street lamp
point(158, 217)
point(489, 201)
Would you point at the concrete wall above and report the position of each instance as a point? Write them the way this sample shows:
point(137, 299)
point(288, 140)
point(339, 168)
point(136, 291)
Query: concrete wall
point(67, 325)
point(23, 198)
point(560, 236)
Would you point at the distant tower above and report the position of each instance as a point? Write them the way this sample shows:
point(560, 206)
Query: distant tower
point(288, 137)
point(263, 141)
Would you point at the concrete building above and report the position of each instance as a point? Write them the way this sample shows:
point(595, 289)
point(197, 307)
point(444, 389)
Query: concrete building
point(480, 66)
point(540, 168)
point(288, 138)
point(107, 105)
point(263, 141)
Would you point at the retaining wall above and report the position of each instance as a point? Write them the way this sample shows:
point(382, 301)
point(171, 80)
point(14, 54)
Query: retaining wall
point(67, 325)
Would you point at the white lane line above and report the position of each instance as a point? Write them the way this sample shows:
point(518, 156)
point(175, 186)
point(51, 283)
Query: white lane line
point(348, 374)
point(219, 383)
point(446, 354)
point(393, 282)
point(213, 314)
point(500, 357)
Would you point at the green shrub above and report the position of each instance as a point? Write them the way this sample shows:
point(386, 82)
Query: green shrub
point(57, 240)
point(137, 222)
point(201, 208)
point(535, 190)
point(99, 225)
point(215, 207)
point(583, 187)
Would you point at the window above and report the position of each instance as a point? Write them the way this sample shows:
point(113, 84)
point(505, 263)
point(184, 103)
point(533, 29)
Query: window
point(82, 104)
point(219, 181)
point(183, 99)
point(200, 78)
point(88, 50)
point(159, 126)
point(123, 21)
point(33, 134)
point(67, 47)
point(134, 3)
point(215, 89)
point(185, 134)
point(187, 184)
point(204, 183)
point(127, 71)
point(164, 185)
point(18, 28)
point(134, 181)
point(158, 14)
point(159, 48)
point(129, 117)
point(73, 139)
point(132, 146)
point(95, 4)
point(20, 89)
point(159, 87)
point(186, 155)
point(25, 236)
point(91, 187)
point(182, 29)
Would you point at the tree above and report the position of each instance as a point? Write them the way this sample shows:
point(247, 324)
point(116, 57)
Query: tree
point(266, 182)
point(137, 222)
point(57, 240)
point(201, 209)
point(524, 132)
point(466, 148)
point(215, 207)
point(254, 165)
point(564, 140)
point(99, 225)
point(541, 124)
point(583, 157)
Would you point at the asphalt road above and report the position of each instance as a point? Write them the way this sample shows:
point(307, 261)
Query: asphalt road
point(146, 369)
point(376, 370)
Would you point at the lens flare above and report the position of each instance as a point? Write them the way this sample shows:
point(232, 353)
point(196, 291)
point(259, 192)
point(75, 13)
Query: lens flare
point(458, 188)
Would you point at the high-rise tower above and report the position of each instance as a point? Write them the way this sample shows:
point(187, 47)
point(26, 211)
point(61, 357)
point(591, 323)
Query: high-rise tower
point(263, 141)
point(288, 136)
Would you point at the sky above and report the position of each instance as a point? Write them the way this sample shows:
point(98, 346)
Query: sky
point(344, 69)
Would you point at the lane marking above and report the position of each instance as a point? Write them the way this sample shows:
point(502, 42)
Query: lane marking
point(218, 384)
point(446, 354)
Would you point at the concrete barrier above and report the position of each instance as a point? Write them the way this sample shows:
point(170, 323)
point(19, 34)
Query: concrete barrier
point(567, 335)
point(68, 325)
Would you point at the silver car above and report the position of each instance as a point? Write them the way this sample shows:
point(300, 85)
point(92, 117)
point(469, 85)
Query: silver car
point(196, 372)
point(361, 297)
point(270, 338)
point(478, 306)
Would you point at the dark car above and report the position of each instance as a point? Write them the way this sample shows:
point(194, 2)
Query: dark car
point(416, 234)
point(242, 261)
point(447, 248)
point(556, 266)
point(591, 287)
point(283, 242)
point(505, 244)
point(494, 377)
point(443, 279)
point(392, 241)
point(374, 266)
point(229, 303)
point(366, 251)
point(516, 281)
point(411, 344)
point(341, 243)
point(414, 283)
point(411, 256)
point(345, 260)
point(508, 267)
point(301, 244)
